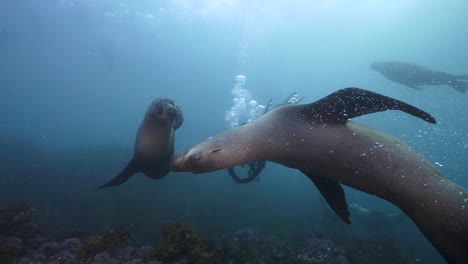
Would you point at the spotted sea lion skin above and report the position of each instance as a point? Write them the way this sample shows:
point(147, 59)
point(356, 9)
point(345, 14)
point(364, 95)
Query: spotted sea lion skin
point(318, 140)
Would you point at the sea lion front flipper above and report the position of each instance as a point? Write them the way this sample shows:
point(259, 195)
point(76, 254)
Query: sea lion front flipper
point(353, 102)
point(333, 194)
point(123, 176)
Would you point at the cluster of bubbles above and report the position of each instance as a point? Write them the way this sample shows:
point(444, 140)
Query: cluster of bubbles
point(245, 109)
point(293, 99)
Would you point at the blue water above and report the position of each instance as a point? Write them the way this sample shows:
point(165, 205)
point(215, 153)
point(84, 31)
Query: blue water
point(77, 76)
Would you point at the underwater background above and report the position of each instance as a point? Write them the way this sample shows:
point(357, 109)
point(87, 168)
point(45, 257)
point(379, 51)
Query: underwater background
point(77, 76)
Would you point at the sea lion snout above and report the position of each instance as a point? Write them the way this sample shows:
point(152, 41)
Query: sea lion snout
point(187, 162)
point(376, 66)
point(199, 159)
point(172, 111)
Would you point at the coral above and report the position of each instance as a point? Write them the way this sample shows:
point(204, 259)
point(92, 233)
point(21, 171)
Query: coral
point(320, 251)
point(179, 242)
point(384, 251)
point(249, 246)
point(102, 242)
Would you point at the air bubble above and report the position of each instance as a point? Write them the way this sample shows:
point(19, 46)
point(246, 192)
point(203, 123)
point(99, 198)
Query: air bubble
point(245, 109)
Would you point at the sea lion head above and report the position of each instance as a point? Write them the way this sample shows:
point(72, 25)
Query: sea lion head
point(382, 67)
point(164, 110)
point(377, 66)
point(202, 158)
point(216, 153)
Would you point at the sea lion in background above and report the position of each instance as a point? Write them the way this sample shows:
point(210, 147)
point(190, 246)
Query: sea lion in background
point(413, 76)
point(376, 219)
point(154, 145)
point(318, 140)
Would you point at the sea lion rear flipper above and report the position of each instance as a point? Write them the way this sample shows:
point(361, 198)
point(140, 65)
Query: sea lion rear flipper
point(333, 194)
point(353, 102)
point(123, 176)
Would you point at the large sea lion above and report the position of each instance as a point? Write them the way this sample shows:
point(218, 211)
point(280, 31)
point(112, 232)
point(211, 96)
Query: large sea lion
point(154, 145)
point(256, 166)
point(413, 76)
point(318, 140)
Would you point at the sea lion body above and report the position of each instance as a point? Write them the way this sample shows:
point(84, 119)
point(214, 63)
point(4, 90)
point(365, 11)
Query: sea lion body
point(414, 76)
point(154, 148)
point(154, 144)
point(318, 140)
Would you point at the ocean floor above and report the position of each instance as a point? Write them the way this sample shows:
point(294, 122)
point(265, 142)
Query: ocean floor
point(22, 242)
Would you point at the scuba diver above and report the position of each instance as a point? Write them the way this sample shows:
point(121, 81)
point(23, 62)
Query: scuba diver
point(255, 167)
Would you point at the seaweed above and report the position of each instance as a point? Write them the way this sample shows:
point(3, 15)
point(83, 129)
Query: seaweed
point(17, 221)
point(103, 242)
point(8, 254)
point(180, 241)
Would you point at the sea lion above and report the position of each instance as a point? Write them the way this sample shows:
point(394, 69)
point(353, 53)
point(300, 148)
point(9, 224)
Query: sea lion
point(413, 76)
point(256, 166)
point(154, 145)
point(376, 219)
point(318, 140)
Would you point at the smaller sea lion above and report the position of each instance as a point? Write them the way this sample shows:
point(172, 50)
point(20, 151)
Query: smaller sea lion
point(413, 76)
point(154, 145)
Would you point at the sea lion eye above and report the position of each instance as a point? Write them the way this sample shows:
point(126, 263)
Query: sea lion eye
point(215, 150)
point(159, 109)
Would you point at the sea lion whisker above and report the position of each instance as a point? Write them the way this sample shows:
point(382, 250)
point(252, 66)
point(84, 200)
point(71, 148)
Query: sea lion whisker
point(182, 150)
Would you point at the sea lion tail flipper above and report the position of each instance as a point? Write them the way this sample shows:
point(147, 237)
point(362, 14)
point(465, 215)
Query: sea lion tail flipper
point(123, 176)
point(333, 194)
point(459, 86)
point(353, 102)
